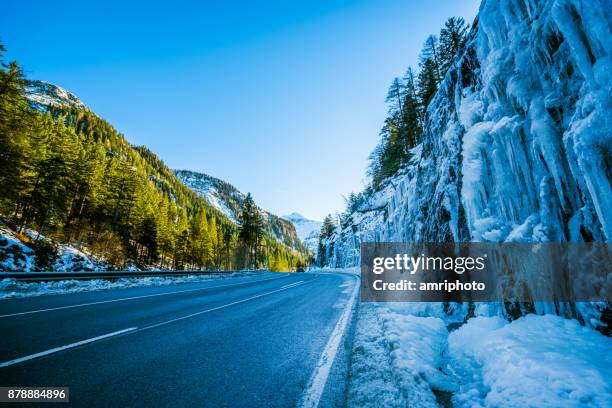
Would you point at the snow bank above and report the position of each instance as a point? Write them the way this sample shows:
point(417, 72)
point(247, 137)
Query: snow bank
point(397, 359)
point(535, 361)
point(11, 288)
point(379, 375)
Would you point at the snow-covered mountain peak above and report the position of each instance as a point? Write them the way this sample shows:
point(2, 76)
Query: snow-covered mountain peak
point(297, 217)
point(44, 95)
point(307, 229)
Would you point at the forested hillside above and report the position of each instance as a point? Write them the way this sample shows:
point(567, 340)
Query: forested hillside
point(69, 175)
point(229, 200)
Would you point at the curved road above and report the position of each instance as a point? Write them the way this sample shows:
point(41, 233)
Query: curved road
point(275, 340)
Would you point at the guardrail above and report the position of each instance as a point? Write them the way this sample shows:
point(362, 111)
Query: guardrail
point(109, 275)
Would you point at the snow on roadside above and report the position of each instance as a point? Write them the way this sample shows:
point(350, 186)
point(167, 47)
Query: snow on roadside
point(535, 361)
point(397, 359)
point(11, 288)
point(372, 381)
point(401, 359)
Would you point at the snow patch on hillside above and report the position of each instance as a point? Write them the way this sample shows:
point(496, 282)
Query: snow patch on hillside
point(16, 256)
point(228, 200)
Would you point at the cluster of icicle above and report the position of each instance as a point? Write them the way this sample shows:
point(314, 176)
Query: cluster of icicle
point(518, 142)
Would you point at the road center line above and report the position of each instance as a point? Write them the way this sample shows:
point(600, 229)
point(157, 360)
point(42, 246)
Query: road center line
point(135, 297)
point(68, 346)
point(291, 284)
point(223, 306)
point(314, 390)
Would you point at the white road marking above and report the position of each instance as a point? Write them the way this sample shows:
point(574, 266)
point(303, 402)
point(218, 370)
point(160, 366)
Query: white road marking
point(221, 307)
point(135, 297)
point(291, 284)
point(132, 329)
point(68, 346)
point(314, 390)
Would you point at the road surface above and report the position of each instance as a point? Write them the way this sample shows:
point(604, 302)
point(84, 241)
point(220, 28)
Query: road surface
point(263, 341)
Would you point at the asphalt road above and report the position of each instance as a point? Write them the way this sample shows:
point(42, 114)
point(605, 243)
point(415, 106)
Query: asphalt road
point(265, 341)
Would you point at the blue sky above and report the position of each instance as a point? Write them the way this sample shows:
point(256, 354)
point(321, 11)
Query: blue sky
point(280, 98)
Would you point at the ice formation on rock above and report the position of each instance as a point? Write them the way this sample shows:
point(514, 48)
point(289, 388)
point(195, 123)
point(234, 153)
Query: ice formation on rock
point(517, 146)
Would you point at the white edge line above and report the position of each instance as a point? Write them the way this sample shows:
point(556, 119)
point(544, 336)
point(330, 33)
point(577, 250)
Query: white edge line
point(313, 392)
point(135, 297)
point(68, 346)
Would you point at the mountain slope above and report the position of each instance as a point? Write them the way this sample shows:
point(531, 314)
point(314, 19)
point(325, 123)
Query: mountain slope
point(517, 143)
point(75, 179)
point(308, 230)
point(220, 194)
point(228, 199)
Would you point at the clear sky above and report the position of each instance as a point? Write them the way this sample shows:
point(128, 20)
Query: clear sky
point(283, 99)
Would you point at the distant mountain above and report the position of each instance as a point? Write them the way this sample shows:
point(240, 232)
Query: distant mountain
point(307, 229)
point(44, 95)
point(228, 199)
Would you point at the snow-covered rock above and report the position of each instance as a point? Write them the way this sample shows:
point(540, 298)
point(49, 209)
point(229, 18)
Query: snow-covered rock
point(43, 95)
point(14, 254)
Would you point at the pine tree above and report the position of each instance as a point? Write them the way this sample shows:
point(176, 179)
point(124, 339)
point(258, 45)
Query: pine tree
point(250, 229)
point(431, 52)
point(15, 122)
point(213, 233)
point(201, 241)
point(427, 83)
point(327, 230)
point(395, 97)
point(453, 37)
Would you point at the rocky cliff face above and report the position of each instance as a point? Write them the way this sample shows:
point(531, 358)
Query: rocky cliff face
point(518, 140)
